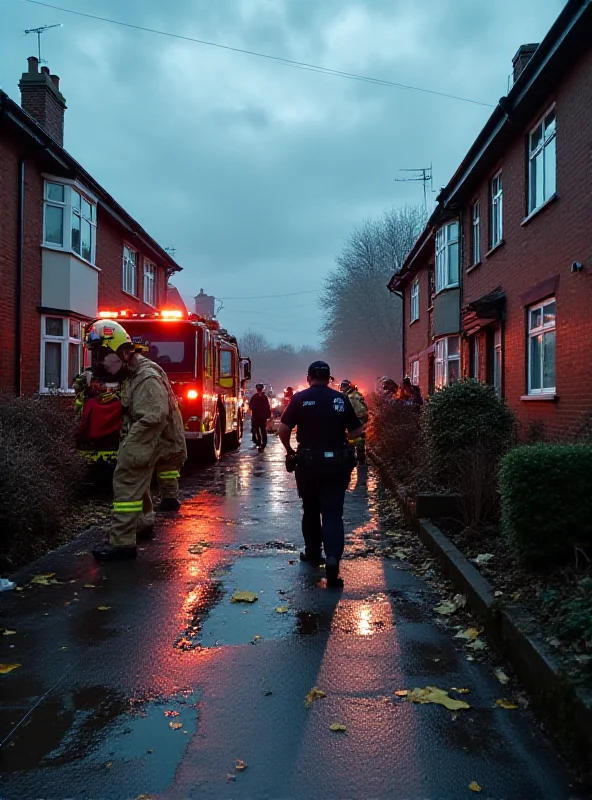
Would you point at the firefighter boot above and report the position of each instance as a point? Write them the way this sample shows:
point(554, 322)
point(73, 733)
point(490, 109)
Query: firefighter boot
point(145, 525)
point(107, 552)
point(333, 579)
point(168, 483)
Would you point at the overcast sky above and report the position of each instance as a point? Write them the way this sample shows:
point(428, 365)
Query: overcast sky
point(255, 171)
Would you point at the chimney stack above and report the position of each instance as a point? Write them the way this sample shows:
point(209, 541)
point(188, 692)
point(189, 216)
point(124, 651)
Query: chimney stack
point(41, 99)
point(205, 305)
point(521, 59)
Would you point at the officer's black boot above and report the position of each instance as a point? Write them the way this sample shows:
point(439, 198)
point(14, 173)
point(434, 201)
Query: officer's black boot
point(314, 559)
point(107, 552)
point(169, 504)
point(332, 569)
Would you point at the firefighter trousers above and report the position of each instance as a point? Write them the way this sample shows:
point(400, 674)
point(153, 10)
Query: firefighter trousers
point(132, 502)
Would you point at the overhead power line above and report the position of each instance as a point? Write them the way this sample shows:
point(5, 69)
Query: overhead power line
point(267, 296)
point(286, 61)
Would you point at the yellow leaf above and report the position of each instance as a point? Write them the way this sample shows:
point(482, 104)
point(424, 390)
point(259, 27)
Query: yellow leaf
point(402, 693)
point(478, 644)
point(103, 608)
point(501, 676)
point(243, 597)
point(314, 694)
point(175, 725)
point(240, 765)
point(6, 668)
point(470, 634)
point(44, 580)
point(337, 726)
point(282, 609)
point(431, 694)
point(460, 691)
point(509, 704)
point(474, 786)
point(9, 633)
point(446, 607)
point(89, 586)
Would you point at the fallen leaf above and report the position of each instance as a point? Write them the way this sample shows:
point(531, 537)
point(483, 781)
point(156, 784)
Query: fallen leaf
point(509, 704)
point(474, 786)
point(483, 558)
point(460, 691)
point(103, 608)
point(175, 725)
point(478, 644)
point(243, 597)
point(109, 764)
point(470, 658)
point(44, 580)
point(282, 609)
point(230, 777)
point(171, 713)
point(240, 765)
point(498, 593)
point(470, 634)
point(20, 589)
point(584, 660)
point(501, 676)
point(402, 693)
point(63, 648)
point(314, 694)
point(446, 607)
point(337, 726)
point(67, 603)
point(196, 549)
point(6, 668)
point(431, 694)
point(89, 586)
point(9, 633)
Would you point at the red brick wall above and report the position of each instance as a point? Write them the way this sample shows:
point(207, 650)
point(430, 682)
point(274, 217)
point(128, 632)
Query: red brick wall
point(8, 257)
point(417, 334)
point(560, 234)
point(111, 239)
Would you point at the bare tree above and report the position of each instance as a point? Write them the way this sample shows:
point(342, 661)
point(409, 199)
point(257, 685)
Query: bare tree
point(253, 344)
point(362, 329)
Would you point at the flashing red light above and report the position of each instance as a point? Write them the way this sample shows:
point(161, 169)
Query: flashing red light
point(172, 313)
point(108, 314)
point(192, 394)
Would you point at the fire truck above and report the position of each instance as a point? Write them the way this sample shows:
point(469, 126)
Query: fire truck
point(206, 372)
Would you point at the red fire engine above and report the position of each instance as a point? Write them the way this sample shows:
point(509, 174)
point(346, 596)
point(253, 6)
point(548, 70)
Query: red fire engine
point(205, 370)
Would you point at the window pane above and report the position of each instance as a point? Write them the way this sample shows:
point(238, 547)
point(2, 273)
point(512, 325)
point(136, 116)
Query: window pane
point(453, 346)
point(550, 123)
point(86, 209)
point(549, 360)
point(86, 249)
point(536, 137)
point(453, 264)
point(440, 349)
point(549, 313)
point(453, 370)
point(54, 191)
point(75, 233)
point(539, 180)
point(74, 329)
point(53, 365)
point(550, 168)
point(54, 223)
point(75, 200)
point(453, 231)
point(535, 362)
point(535, 318)
point(225, 364)
point(74, 351)
point(54, 326)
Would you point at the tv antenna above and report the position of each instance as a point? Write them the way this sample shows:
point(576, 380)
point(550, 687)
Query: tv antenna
point(421, 175)
point(171, 251)
point(39, 31)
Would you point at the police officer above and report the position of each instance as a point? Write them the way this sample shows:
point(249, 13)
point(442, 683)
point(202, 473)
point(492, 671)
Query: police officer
point(324, 463)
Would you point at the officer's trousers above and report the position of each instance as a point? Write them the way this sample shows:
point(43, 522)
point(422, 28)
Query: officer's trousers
point(259, 426)
point(322, 514)
point(132, 503)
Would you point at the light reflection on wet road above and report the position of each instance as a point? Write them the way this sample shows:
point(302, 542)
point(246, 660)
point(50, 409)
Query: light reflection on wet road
point(163, 691)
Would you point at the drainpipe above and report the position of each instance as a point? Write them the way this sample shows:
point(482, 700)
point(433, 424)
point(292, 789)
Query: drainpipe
point(18, 355)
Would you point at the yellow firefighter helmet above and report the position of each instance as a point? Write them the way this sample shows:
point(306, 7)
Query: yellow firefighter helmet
point(107, 333)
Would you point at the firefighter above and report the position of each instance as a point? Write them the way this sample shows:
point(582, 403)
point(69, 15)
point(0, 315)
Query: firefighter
point(356, 398)
point(152, 438)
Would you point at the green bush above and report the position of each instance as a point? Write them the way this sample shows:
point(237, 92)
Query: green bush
point(459, 418)
point(393, 434)
point(40, 475)
point(546, 496)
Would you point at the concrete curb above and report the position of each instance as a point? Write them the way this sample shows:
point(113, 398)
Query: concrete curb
point(565, 708)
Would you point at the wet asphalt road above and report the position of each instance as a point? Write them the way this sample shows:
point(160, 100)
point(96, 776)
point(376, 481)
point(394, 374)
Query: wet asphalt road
point(89, 712)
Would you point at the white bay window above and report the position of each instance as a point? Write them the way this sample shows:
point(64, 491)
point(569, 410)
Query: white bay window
point(447, 256)
point(447, 361)
point(69, 220)
point(61, 353)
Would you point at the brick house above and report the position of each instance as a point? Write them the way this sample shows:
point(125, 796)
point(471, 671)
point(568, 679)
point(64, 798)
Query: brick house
point(499, 285)
point(67, 248)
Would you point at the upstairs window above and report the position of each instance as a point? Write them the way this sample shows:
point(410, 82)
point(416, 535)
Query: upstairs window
point(541, 348)
point(542, 158)
point(69, 220)
point(414, 301)
point(130, 271)
point(496, 222)
point(447, 361)
point(476, 233)
point(149, 293)
point(447, 256)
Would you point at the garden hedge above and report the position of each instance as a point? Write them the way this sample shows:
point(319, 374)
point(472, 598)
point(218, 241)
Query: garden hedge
point(546, 496)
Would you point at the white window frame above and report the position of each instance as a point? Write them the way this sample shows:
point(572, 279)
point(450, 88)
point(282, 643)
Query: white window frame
point(149, 283)
point(442, 360)
point(414, 372)
point(497, 361)
point(447, 272)
point(414, 311)
point(68, 206)
point(476, 232)
point(541, 330)
point(548, 141)
point(129, 270)
point(65, 340)
point(496, 199)
point(474, 353)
